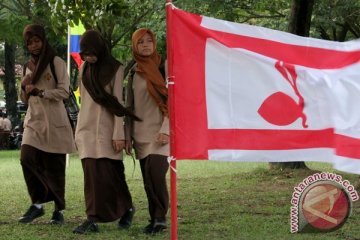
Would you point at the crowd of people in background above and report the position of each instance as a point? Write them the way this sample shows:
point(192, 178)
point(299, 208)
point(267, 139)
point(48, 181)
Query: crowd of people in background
point(106, 127)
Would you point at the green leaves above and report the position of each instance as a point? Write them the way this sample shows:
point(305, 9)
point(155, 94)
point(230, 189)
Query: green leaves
point(117, 19)
point(336, 20)
point(12, 20)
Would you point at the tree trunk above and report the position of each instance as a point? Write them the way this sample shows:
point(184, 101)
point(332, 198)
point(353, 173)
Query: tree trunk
point(300, 17)
point(11, 95)
point(287, 165)
point(299, 24)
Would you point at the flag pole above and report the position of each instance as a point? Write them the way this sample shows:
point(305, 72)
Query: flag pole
point(173, 194)
point(67, 163)
point(68, 50)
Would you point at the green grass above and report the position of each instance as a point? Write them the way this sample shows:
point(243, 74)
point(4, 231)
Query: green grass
point(216, 200)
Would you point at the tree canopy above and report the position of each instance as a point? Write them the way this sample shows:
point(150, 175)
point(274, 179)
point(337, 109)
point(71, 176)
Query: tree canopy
point(117, 19)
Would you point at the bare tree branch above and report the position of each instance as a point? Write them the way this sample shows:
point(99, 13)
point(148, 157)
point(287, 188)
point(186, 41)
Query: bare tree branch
point(132, 26)
point(323, 33)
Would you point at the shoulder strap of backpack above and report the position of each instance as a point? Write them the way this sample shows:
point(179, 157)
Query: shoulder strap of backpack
point(132, 73)
point(162, 68)
point(24, 68)
point(52, 68)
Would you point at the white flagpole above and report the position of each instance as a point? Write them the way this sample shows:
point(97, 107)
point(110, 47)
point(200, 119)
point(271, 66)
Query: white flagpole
point(68, 70)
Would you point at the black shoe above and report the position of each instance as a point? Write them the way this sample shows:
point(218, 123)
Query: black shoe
point(155, 226)
point(87, 226)
point(126, 219)
point(148, 229)
point(159, 226)
point(32, 213)
point(57, 218)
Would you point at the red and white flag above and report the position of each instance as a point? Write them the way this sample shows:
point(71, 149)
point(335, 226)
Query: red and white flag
point(247, 93)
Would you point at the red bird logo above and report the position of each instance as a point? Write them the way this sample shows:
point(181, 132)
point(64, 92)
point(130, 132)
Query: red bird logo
point(279, 108)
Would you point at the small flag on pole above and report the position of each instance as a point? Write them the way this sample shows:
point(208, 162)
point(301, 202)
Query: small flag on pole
point(75, 34)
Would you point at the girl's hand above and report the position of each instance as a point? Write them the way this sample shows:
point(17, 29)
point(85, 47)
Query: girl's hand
point(128, 147)
point(118, 145)
point(29, 88)
point(163, 138)
point(26, 80)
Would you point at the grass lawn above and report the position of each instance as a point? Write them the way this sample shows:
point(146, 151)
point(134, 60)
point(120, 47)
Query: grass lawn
point(216, 200)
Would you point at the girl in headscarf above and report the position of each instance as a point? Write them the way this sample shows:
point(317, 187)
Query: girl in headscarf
point(147, 97)
point(47, 131)
point(100, 136)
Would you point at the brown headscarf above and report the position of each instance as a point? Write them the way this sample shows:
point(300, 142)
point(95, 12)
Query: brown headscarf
point(97, 75)
point(38, 63)
point(148, 68)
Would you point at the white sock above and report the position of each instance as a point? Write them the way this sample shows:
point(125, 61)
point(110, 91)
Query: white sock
point(39, 206)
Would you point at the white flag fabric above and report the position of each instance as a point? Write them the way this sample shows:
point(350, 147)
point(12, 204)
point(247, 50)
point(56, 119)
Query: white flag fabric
point(247, 93)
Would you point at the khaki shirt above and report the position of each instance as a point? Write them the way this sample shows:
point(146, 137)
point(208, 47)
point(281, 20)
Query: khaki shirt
point(96, 126)
point(145, 132)
point(46, 124)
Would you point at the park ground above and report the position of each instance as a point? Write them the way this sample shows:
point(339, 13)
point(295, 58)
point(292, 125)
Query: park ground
point(216, 200)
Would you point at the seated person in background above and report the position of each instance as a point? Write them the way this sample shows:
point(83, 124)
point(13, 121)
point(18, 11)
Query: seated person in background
point(6, 124)
point(1, 130)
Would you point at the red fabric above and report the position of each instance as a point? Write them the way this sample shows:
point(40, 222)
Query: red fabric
point(77, 58)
